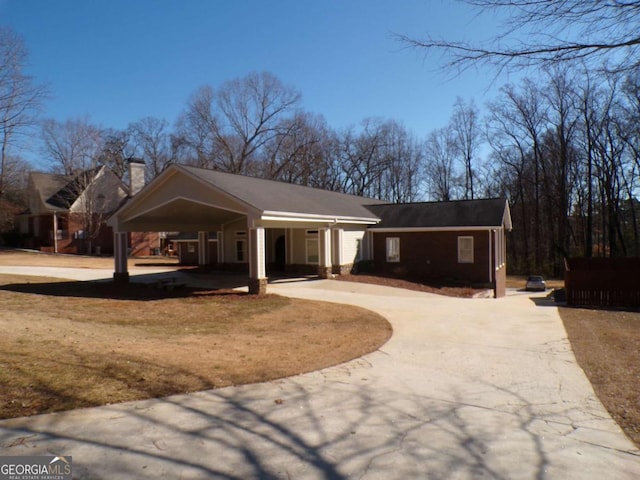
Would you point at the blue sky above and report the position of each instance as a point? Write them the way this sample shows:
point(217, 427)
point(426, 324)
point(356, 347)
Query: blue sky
point(117, 61)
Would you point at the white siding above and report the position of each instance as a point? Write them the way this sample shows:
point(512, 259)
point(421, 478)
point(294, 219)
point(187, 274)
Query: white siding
point(350, 240)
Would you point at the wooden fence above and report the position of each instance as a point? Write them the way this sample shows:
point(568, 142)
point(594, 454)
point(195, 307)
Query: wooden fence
point(603, 282)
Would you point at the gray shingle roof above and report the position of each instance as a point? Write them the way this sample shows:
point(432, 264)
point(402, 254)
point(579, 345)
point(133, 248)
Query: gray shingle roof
point(462, 213)
point(58, 192)
point(274, 196)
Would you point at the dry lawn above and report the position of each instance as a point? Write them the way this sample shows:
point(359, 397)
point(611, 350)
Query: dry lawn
point(39, 259)
point(606, 344)
point(69, 344)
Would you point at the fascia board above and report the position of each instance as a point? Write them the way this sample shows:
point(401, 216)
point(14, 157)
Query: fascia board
point(433, 229)
point(306, 217)
point(506, 220)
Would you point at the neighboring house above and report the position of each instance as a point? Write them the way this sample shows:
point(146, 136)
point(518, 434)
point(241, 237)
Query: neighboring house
point(68, 213)
point(265, 226)
point(184, 245)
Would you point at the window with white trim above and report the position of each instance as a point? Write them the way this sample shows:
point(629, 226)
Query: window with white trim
point(393, 249)
point(312, 251)
point(241, 246)
point(465, 249)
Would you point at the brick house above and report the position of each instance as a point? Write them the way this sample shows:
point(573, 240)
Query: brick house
point(459, 241)
point(68, 213)
point(263, 226)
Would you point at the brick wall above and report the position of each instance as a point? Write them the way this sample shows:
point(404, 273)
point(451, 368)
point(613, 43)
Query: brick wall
point(434, 256)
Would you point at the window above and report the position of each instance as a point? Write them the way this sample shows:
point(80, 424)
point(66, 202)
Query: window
point(241, 250)
point(393, 249)
point(312, 251)
point(465, 249)
point(241, 246)
point(191, 247)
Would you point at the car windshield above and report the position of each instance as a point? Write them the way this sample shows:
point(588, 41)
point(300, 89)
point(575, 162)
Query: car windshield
point(534, 278)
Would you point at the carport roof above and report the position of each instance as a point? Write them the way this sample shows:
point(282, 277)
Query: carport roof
point(270, 196)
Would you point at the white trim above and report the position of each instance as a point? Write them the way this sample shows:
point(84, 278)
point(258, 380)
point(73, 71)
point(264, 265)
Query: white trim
point(243, 241)
point(160, 205)
point(389, 247)
point(429, 229)
point(492, 259)
point(461, 250)
point(269, 215)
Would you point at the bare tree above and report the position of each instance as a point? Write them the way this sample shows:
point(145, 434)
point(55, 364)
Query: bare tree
point(465, 126)
point(72, 145)
point(13, 200)
point(440, 164)
point(153, 143)
point(20, 97)
point(74, 149)
point(361, 158)
point(543, 32)
point(228, 129)
point(299, 153)
point(116, 150)
point(402, 157)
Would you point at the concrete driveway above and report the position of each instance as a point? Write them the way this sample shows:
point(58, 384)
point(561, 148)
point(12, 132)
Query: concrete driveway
point(465, 389)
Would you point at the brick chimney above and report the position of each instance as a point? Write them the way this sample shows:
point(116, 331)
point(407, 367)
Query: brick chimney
point(136, 175)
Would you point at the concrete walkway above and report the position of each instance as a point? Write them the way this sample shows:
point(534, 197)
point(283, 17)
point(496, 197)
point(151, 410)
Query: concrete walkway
point(465, 389)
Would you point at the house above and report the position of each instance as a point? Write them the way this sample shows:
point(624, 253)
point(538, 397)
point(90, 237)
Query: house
point(68, 213)
point(263, 226)
point(460, 241)
point(184, 245)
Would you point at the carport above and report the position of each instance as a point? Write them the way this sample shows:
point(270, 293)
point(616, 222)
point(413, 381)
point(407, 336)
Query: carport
point(189, 199)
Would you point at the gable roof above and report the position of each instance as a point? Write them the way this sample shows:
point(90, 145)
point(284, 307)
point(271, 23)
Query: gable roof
point(485, 213)
point(270, 196)
point(59, 192)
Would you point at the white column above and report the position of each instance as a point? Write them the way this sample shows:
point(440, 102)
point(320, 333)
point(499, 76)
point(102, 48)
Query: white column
point(220, 242)
point(120, 245)
point(257, 261)
point(55, 232)
point(336, 247)
point(324, 251)
point(203, 249)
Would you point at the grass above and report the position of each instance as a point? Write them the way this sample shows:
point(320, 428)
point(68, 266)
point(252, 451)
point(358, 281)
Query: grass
point(68, 345)
point(606, 344)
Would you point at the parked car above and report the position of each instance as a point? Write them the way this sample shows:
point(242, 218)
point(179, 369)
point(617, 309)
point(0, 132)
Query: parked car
point(535, 283)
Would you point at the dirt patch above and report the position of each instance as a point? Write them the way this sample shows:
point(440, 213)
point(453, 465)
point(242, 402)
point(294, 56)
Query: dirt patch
point(606, 344)
point(69, 344)
point(440, 289)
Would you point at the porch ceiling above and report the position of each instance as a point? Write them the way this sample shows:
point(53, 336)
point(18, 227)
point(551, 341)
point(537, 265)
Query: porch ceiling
point(181, 214)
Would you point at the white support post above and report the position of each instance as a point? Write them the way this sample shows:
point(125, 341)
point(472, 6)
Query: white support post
point(336, 248)
point(55, 232)
point(324, 247)
point(203, 249)
point(257, 261)
point(220, 242)
point(120, 244)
